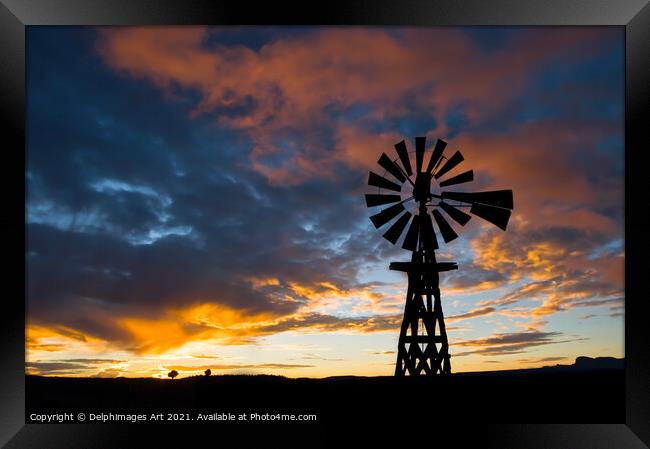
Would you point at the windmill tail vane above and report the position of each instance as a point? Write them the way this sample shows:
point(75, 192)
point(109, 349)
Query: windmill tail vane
point(411, 200)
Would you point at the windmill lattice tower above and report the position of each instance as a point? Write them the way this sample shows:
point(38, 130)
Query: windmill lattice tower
point(423, 347)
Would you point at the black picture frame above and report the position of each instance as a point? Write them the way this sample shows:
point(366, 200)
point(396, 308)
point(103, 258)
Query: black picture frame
point(633, 15)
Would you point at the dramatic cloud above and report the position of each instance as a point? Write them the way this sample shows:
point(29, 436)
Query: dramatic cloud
point(510, 343)
point(566, 267)
point(292, 96)
point(163, 332)
point(200, 185)
point(472, 313)
point(78, 367)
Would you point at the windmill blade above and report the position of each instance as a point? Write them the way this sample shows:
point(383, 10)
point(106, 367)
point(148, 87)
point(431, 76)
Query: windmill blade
point(457, 215)
point(403, 154)
point(448, 233)
point(420, 142)
point(386, 215)
point(387, 164)
point(411, 239)
point(498, 216)
point(464, 177)
point(376, 199)
point(396, 230)
point(427, 234)
point(498, 198)
point(378, 181)
point(454, 160)
point(435, 156)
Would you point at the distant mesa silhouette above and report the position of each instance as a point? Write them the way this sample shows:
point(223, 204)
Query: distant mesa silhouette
point(582, 364)
point(589, 363)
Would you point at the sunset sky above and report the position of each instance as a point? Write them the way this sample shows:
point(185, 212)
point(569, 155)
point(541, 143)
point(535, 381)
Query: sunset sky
point(195, 196)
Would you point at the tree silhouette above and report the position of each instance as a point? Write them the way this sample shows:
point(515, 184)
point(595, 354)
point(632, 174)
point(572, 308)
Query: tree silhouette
point(208, 372)
point(173, 373)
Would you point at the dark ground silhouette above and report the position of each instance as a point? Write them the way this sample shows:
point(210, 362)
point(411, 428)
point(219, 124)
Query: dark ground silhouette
point(589, 391)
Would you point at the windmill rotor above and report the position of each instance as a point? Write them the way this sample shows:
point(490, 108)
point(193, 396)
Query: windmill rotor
point(407, 205)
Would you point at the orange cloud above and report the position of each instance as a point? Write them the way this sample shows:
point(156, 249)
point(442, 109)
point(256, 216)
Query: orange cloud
point(325, 296)
point(480, 311)
point(361, 148)
point(176, 327)
point(155, 336)
point(37, 332)
point(536, 259)
point(558, 276)
point(290, 86)
point(551, 167)
point(294, 78)
point(193, 323)
point(260, 282)
point(510, 343)
point(55, 338)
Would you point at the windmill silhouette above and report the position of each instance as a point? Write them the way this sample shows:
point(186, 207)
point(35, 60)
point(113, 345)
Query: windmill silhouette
point(423, 347)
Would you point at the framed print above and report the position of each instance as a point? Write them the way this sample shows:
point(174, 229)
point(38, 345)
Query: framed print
point(243, 221)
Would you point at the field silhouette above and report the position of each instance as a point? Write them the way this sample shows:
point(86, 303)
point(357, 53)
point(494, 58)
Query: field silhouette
point(589, 391)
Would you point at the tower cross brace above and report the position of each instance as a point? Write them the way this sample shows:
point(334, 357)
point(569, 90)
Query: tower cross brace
point(423, 347)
